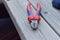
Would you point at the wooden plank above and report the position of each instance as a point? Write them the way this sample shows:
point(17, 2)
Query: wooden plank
point(46, 16)
point(55, 14)
point(19, 15)
point(20, 20)
point(52, 15)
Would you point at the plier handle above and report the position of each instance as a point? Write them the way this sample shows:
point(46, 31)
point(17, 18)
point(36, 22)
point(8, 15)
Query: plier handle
point(31, 17)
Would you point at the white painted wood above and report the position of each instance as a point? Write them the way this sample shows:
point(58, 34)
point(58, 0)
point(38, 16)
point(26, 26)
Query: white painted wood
point(55, 15)
point(20, 20)
point(18, 14)
point(44, 8)
point(52, 16)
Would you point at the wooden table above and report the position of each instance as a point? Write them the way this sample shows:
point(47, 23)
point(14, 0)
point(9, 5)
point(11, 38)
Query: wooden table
point(48, 27)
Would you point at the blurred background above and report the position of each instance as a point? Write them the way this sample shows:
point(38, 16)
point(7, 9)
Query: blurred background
point(7, 28)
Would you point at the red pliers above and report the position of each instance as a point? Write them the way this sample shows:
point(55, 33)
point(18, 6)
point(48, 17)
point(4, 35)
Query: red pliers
point(33, 19)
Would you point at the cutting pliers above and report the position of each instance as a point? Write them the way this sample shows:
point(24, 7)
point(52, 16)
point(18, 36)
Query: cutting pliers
point(33, 19)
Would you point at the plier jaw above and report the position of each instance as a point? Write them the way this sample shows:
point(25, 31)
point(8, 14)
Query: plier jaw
point(33, 19)
point(34, 24)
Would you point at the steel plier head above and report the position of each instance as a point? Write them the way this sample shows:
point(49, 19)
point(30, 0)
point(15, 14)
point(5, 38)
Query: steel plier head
point(33, 19)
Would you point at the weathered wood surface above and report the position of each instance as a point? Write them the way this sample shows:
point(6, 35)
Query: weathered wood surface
point(50, 14)
point(18, 14)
